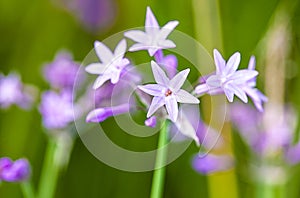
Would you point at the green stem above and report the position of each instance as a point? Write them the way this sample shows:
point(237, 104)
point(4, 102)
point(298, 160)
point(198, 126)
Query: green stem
point(160, 169)
point(27, 189)
point(57, 156)
point(270, 191)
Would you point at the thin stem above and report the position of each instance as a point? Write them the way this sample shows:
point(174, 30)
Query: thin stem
point(57, 157)
point(160, 169)
point(27, 189)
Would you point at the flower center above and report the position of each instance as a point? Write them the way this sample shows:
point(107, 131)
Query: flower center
point(168, 93)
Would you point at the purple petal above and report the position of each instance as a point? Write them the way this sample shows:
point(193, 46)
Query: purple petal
point(183, 96)
point(229, 92)
point(293, 154)
point(172, 107)
point(151, 24)
point(219, 61)
point(170, 63)
point(214, 81)
point(159, 75)
point(233, 63)
point(16, 172)
point(201, 89)
point(103, 52)
point(151, 122)
point(101, 114)
point(257, 97)
point(238, 92)
point(242, 76)
point(100, 81)
point(156, 103)
point(178, 80)
point(152, 89)
point(210, 163)
point(252, 62)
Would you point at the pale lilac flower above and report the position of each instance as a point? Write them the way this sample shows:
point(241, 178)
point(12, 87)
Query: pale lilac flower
point(167, 92)
point(14, 171)
point(151, 122)
point(231, 81)
point(154, 38)
point(12, 91)
point(61, 73)
point(112, 63)
point(56, 109)
point(210, 163)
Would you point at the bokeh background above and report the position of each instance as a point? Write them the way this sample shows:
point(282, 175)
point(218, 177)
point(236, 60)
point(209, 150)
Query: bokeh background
point(32, 32)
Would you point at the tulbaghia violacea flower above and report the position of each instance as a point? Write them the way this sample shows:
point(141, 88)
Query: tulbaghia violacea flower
point(151, 122)
point(112, 63)
point(61, 73)
point(56, 109)
point(12, 91)
point(14, 171)
point(167, 92)
point(154, 38)
point(210, 163)
point(232, 81)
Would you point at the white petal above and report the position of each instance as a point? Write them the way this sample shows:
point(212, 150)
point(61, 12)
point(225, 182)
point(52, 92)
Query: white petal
point(242, 76)
point(120, 49)
point(100, 80)
point(156, 103)
point(201, 89)
point(183, 96)
point(159, 75)
point(166, 44)
point(152, 50)
point(252, 62)
point(219, 61)
point(239, 92)
point(177, 81)
point(186, 128)
point(151, 24)
point(95, 68)
point(167, 29)
point(115, 76)
point(213, 81)
point(152, 89)
point(233, 63)
point(103, 52)
point(229, 94)
point(172, 107)
point(138, 47)
point(137, 35)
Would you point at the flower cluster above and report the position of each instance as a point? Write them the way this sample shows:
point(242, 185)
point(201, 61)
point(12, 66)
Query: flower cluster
point(16, 171)
point(166, 99)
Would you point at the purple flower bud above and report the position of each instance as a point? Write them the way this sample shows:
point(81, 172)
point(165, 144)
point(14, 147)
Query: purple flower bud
point(169, 62)
point(14, 171)
point(61, 73)
point(151, 122)
point(101, 114)
point(12, 91)
point(56, 109)
point(209, 163)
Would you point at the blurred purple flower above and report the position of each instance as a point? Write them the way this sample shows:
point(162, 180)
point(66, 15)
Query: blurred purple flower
point(95, 15)
point(112, 63)
point(151, 122)
point(232, 82)
point(62, 72)
point(169, 62)
point(154, 38)
point(167, 92)
point(56, 109)
point(12, 91)
point(14, 171)
point(209, 163)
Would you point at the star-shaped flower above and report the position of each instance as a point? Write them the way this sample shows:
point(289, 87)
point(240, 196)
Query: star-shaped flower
point(154, 38)
point(112, 63)
point(167, 92)
point(231, 81)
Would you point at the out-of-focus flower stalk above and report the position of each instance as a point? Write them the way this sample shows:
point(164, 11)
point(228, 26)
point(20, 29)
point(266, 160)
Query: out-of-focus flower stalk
point(209, 33)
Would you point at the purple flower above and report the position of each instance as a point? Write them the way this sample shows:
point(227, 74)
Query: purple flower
point(169, 62)
point(167, 92)
point(61, 73)
point(209, 163)
point(154, 38)
point(151, 122)
point(14, 171)
point(56, 109)
point(101, 114)
point(112, 64)
point(12, 91)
